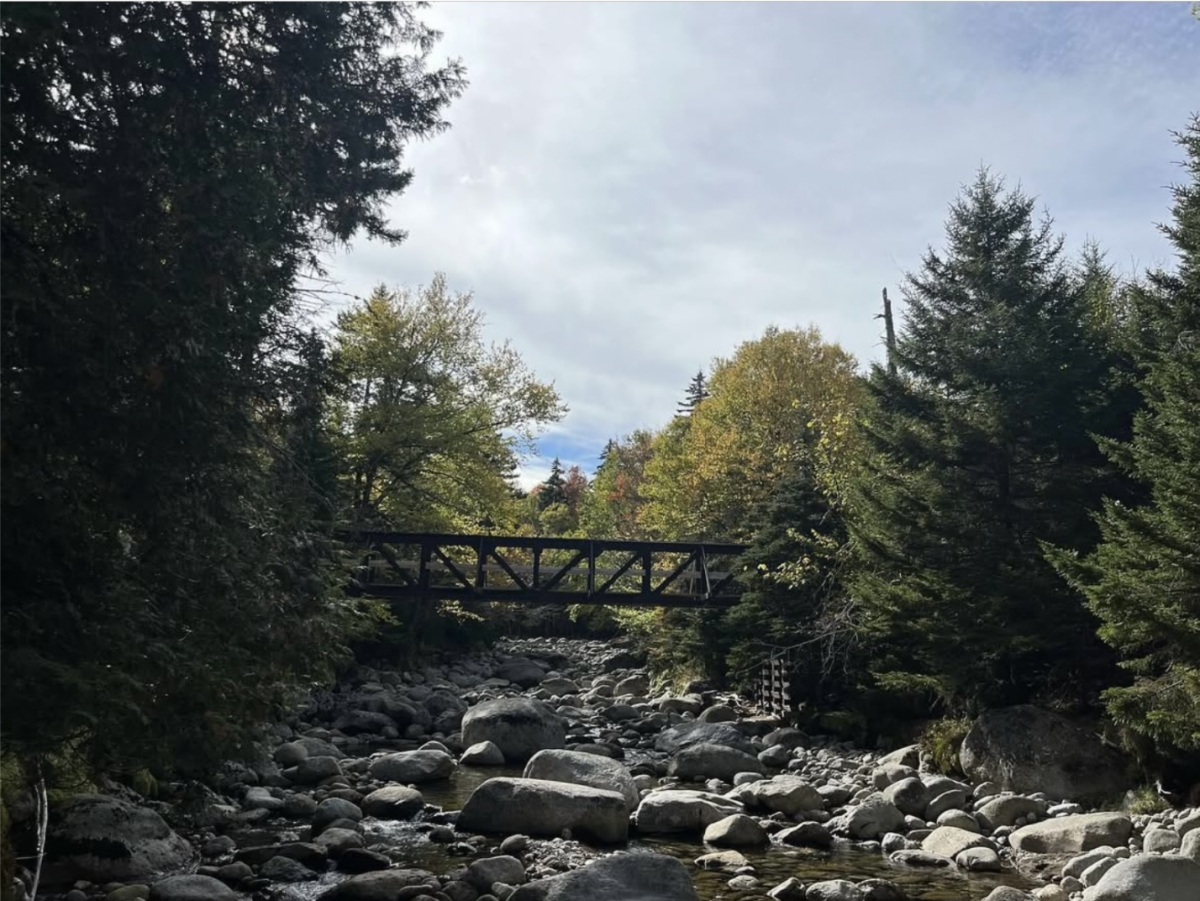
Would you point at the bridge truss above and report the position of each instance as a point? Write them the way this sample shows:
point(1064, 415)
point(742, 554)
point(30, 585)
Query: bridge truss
point(400, 566)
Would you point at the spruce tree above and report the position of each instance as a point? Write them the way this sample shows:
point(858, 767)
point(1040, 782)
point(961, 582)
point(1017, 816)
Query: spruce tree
point(553, 490)
point(979, 451)
point(1143, 580)
point(697, 391)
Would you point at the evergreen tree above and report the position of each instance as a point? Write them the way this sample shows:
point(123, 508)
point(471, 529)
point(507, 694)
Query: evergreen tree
point(795, 526)
point(980, 450)
point(554, 489)
point(697, 391)
point(1143, 580)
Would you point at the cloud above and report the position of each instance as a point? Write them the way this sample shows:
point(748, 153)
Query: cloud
point(634, 189)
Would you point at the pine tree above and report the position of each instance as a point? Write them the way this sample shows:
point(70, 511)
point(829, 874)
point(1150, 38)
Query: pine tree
point(980, 450)
point(554, 489)
point(697, 391)
point(1143, 580)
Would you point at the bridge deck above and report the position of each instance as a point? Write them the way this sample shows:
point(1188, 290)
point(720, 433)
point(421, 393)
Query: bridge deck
point(404, 565)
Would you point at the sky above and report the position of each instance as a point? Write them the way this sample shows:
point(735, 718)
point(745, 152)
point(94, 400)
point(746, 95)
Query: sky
point(631, 190)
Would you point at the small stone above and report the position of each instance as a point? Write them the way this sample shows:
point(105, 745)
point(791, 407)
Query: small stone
point(791, 889)
point(514, 844)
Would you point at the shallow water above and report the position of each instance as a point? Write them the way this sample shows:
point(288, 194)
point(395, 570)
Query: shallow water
point(773, 865)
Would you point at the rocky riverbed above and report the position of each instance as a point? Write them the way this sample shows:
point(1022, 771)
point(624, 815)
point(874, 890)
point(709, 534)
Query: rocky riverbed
point(549, 771)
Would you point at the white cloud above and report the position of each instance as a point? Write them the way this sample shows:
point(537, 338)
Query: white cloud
point(633, 189)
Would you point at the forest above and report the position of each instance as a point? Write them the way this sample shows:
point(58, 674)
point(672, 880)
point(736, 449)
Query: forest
point(1004, 510)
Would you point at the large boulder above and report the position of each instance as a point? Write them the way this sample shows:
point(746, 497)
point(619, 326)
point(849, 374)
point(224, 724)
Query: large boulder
point(413, 767)
point(1148, 877)
point(1027, 749)
point(104, 839)
point(393, 802)
point(618, 877)
point(1074, 834)
point(709, 761)
point(873, 818)
point(540, 807)
point(949, 841)
point(675, 739)
point(579, 768)
point(785, 794)
point(682, 811)
point(519, 727)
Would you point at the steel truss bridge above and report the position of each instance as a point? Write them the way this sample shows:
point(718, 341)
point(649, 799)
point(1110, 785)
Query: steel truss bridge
point(398, 566)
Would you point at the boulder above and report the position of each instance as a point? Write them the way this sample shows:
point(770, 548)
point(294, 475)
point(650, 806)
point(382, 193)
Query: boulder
point(736, 831)
point(1148, 877)
point(709, 760)
point(580, 768)
point(809, 834)
point(312, 770)
point(332, 809)
point(393, 802)
point(521, 671)
point(382, 885)
point(540, 807)
point(519, 727)
point(909, 795)
point(1074, 834)
point(104, 839)
point(872, 818)
point(1005, 810)
point(682, 811)
point(413, 767)
point(718, 714)
point(356, 722)
point(618, 877)
point(949, 841)
point(786, 794)
point(1027, 749)
point(191, 888)
point(833, 890)
point(482, 753)
point(487, 870)
point(675, 739)
point(636, 685)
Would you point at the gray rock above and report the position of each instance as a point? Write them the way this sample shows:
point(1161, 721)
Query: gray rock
point(1076, 865)
point(633, 685)
point(883, 776)
point(290, 754)
point(979, 860)
point(730, 861)
point(1190, 846)
point(833, 890)
point(1160, 840)
point(483, 753)
point(909, 756)
point(1148, 877)
point(332, 809)
point(393, 802)
point(362, 860)
point(413, 766)
point(618, 877)
point(706, 759)
point(356, 722)
point(786, 794)
point(284, 869)
point(918, 858)
point(104, 839)
point(736, 831)
point(873, 818)
point(579, 768)
point(791, 889)
point(334, 841)
point(191, 888)
point(520, 727)
point(954, 799)
point(675, 739)
point(1072, 835)
point(521, 671)
point(718, 713)
point(909, 795)
point(1006, 893)
point(682, 811)
point(808, 834)
point(949, 841)
point(487, 870)
point(1096, 871)
point(312, 770)
point(384, 885)
point(1027, 749)
point(538, 807)
point(881, 890)
point(1005, 810)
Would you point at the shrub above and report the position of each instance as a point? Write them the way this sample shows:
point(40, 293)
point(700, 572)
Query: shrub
point(941, 742)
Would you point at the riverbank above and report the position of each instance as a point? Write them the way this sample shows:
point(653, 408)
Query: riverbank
point(407, 785)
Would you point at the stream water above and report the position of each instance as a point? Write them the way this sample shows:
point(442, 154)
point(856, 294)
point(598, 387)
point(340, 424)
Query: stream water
point(773, 865)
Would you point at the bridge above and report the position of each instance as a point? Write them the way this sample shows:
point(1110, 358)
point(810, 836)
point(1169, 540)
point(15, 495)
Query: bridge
point(399, 566)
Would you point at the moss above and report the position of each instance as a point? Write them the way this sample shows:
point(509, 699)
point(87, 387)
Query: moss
point(941, 742)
